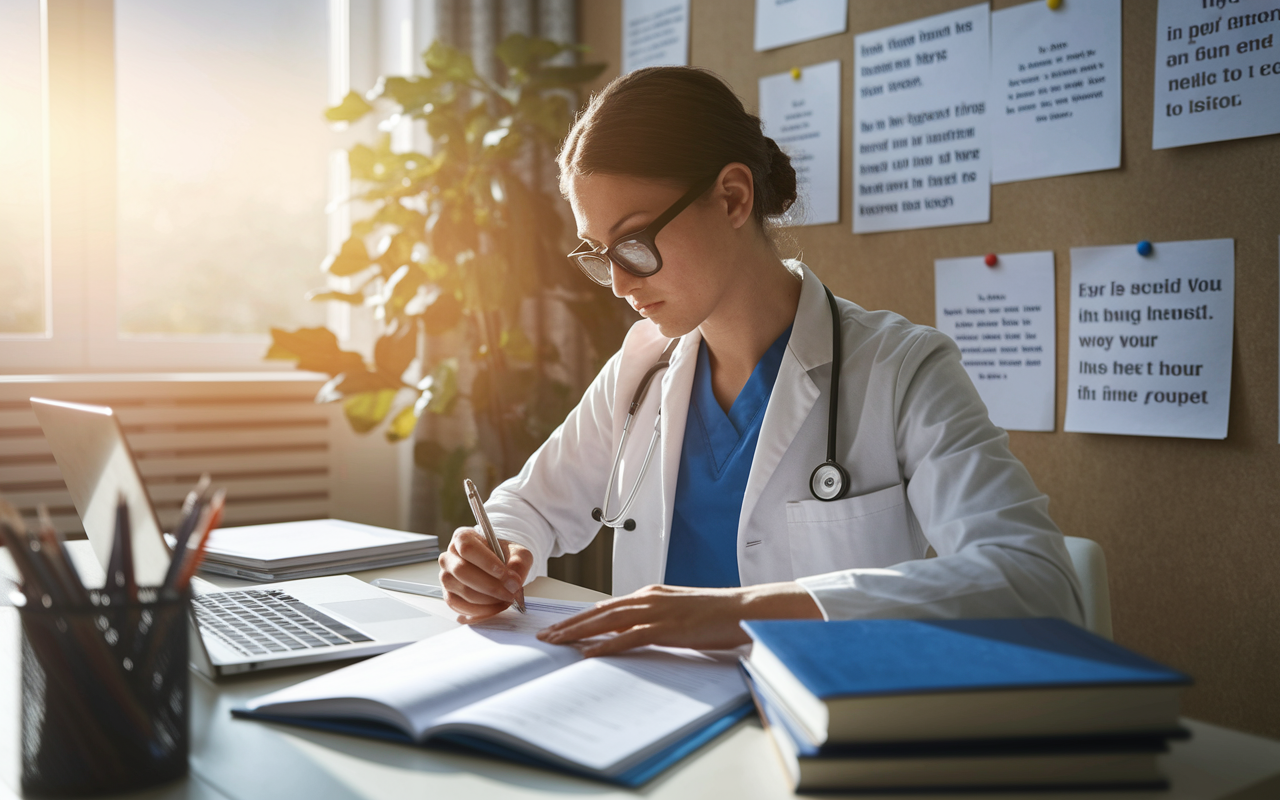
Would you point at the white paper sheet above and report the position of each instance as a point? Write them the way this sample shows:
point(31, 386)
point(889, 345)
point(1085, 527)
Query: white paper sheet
point(783, 22)
point(655, 33)
point(803, 117)
point(1002, 318)
point(1055, 89)
point(1150, 351)
point(1217, 71)
point(920, 127)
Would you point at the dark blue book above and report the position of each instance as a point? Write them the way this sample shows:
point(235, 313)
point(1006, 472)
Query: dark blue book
point(862, 681)
point(1033, 764)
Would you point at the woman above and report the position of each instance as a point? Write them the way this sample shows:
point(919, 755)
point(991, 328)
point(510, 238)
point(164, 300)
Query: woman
point(672, 185)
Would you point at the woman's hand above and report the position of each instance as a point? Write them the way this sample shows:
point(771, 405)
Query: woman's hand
point(678, 616)
point(475, 582)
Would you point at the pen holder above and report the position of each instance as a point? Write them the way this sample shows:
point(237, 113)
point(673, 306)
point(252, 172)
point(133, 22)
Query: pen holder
point(105, 695)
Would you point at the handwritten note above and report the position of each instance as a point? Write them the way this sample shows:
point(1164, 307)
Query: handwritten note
point(920, 130)
point(1217, 71)
point(784, 22)
point(1002, 318)
point(655, 33)
point(803, 116)
point(1055, 89)
point(1150, 351)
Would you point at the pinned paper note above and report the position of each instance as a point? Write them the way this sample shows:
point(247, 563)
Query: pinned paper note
point(801, 112)
point(1217, 71)
point(1002, 317)
point(1055, 89)
point(1150, 351)
point(783, 22)
point(920, 128)
point(655, 33)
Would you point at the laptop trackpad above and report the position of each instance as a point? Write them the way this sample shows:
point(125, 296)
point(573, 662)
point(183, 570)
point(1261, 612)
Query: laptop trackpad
point(374, 610)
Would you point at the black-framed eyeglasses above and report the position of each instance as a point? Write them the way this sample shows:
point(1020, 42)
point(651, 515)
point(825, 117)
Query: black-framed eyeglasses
point(637, 252)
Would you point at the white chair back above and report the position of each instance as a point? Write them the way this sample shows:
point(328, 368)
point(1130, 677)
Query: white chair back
point(1091, 566)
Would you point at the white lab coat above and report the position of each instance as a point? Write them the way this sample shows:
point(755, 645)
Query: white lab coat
point(926, 466)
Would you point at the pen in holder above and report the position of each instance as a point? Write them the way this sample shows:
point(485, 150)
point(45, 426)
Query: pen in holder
point(105, 694)
point(105, 687)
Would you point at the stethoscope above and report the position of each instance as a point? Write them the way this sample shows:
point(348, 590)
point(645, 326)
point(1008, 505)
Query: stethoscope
point(828, 480)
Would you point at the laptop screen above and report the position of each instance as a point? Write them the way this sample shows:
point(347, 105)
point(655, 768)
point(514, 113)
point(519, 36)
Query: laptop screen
point(95, 461)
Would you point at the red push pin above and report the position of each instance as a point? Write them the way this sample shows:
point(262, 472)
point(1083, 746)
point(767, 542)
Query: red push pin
point(990, 260)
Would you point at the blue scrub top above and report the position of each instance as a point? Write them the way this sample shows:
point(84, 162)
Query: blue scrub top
point(715, 462)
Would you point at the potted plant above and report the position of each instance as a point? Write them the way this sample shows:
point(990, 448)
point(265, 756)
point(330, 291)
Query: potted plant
point(461, 243)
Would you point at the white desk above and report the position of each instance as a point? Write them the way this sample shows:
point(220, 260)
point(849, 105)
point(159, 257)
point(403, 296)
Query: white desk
point(235, 759)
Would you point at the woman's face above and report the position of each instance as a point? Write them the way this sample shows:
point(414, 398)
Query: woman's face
point(695, 272)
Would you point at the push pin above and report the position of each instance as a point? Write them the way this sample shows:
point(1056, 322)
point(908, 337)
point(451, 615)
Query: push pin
point(1053, 5)
point(990, 260)
point(795, 73)
point(1144, 248)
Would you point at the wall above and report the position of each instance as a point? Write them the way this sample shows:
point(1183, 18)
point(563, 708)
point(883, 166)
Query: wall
point(1189, 527)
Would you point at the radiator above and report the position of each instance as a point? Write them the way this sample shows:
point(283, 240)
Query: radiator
point(279, 455)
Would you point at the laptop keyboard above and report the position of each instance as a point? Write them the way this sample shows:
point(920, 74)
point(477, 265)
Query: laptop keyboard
point(260, 621)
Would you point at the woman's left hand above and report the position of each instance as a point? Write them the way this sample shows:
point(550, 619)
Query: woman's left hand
point(679, 616)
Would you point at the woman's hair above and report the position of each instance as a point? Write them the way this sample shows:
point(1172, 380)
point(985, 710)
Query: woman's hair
point(680, 124)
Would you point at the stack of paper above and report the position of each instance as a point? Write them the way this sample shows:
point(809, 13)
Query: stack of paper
point(998, 704)
point(309, 549)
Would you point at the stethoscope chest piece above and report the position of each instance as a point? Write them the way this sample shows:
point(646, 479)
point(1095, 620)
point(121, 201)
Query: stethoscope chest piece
point(828, 481)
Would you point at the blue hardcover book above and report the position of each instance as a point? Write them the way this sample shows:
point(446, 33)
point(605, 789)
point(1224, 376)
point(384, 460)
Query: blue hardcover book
point(907, 680)
point(1094, 764)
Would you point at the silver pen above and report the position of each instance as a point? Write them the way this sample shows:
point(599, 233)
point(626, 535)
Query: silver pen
point(486, 527)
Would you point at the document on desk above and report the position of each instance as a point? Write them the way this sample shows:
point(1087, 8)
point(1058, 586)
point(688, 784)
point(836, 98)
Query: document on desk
point(496, 687)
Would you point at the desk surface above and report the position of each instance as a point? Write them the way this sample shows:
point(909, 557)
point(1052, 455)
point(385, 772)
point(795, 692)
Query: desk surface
point(234, 759)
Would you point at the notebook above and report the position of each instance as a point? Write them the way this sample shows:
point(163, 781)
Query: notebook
point(494, 687)
point(903, 680)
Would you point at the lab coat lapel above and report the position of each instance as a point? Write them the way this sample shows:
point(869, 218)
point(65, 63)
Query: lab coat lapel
point(794, 391)
point(677, 385)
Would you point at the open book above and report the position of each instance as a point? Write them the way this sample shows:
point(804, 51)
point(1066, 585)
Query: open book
point(495, 687)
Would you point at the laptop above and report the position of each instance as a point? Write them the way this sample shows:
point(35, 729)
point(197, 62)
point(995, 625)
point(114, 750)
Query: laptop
point(233, 630)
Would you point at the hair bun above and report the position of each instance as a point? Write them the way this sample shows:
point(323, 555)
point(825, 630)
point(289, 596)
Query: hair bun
point(780, 183)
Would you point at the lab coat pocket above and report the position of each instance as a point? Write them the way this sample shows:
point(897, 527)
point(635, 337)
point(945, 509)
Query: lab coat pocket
point(870, 530)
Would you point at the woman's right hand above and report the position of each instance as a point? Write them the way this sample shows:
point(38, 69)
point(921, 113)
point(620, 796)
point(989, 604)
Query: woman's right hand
point(476, 583)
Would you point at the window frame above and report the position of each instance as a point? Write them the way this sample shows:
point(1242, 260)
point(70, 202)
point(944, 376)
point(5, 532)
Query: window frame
point(81, 288)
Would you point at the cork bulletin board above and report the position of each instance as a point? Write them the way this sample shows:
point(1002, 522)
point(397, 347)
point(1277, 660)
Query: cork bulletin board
point(1191, 528)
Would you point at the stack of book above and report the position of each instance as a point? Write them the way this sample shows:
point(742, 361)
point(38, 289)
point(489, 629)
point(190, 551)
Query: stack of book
point(968, 705)
point(312, 548)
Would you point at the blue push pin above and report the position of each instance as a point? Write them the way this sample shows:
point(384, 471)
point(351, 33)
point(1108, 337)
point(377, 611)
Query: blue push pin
point(1144, 248)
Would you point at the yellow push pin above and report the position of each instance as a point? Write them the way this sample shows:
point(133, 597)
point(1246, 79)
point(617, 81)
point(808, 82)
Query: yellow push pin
point(795, 73)
point(1054, 5)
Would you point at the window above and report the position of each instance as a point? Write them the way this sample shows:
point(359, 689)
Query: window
point(169, 178)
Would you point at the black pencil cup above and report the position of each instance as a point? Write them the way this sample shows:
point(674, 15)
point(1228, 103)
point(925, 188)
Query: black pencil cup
point(105, 695)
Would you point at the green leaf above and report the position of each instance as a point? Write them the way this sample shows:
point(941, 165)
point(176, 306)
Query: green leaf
point(315, 350)
point(563, 77)
point(393, 352)
point(352, 108)
point(451, 64)
point(516, 345)
point(439, 389)
point(443, 315)
point(402, 424)
point(410, 94)
point(353, 258)
point(520, 52)
point(366, 410)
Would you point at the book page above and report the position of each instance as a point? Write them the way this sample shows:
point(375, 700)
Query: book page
point(609, 714)
point(412, 686)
